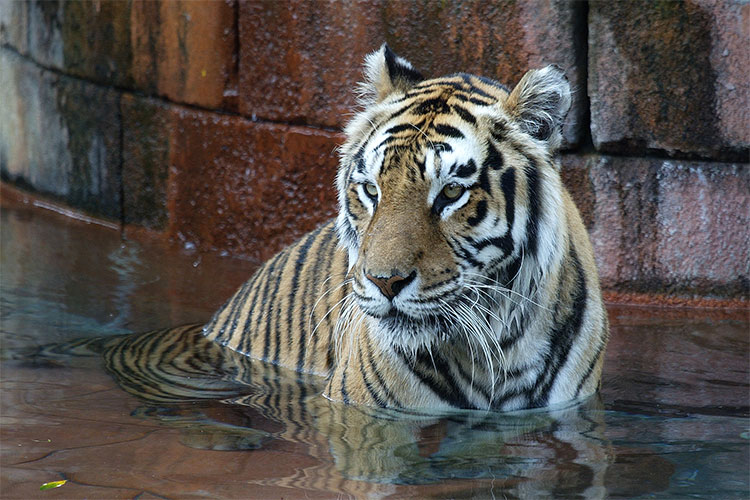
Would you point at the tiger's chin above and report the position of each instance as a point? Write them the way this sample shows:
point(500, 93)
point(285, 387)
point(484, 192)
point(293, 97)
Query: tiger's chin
point(397, 329)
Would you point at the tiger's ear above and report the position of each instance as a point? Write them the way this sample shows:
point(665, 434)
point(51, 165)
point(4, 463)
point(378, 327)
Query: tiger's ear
point(539, 104)
point(386, 73)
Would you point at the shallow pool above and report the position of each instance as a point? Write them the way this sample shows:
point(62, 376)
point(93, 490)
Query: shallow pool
point(671, 421)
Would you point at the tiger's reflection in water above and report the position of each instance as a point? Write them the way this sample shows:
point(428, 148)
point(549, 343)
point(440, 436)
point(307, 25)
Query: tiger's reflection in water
point(223, 400)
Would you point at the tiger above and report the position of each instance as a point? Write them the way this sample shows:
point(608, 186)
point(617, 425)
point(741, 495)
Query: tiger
point(457, 273)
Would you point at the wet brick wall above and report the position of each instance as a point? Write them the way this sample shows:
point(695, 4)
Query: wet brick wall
point(215, 123)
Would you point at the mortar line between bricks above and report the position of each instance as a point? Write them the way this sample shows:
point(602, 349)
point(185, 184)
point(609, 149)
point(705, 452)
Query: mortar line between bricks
point(581, 39)
point(121, 167)
point(161, 98)
point(740, 157)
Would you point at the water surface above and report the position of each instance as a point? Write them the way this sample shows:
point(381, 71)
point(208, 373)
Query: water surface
point(671, 421)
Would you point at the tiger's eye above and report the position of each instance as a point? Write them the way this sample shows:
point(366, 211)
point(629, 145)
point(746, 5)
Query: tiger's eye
point(371, 190)
point(453, 191)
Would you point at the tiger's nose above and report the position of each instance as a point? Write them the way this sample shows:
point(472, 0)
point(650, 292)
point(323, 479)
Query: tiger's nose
point(393, 285)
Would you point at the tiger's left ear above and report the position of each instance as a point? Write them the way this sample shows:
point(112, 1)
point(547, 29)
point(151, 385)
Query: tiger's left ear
point(539, 104)
point(386, 73)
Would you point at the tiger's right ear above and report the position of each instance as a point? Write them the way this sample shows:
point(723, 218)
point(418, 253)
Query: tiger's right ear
point(386, 73)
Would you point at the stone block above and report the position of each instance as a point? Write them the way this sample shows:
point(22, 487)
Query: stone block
point(670, 76)
point(246, 187)
point(575, 176)
point(147, 126)
point(300, 62)
point(183, 50)
point(671, 226)
point(14, 24)
point(60, 136)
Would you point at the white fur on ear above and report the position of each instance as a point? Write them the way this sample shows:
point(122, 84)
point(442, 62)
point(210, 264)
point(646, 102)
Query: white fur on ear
point(539, 104)
point(386, 73)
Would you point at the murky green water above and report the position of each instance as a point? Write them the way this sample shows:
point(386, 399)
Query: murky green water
point(672, 420)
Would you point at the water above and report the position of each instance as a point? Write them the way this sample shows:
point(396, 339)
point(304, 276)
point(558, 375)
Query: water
point(671, 421)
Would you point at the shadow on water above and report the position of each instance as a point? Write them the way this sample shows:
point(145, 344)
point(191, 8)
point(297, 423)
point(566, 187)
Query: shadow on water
point(188, 417)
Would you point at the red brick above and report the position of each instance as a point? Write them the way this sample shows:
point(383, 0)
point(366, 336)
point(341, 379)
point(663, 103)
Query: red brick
point(183, 50)
point(247, 187)
point(670, 76)
point(671, 226)
point(300, 61)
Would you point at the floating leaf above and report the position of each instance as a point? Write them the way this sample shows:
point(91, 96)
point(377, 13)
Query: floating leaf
point(52, 485)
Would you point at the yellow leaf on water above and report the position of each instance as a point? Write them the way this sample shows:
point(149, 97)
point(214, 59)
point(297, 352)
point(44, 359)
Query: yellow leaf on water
point(52, 485)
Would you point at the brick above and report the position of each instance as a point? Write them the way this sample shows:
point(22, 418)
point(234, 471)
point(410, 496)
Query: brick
point(14, 23)
point(575, 176)
point(670, 76)
point(247, 187)
point(60, 137)
point(671, 226)
point(300, 62)
point(145, 161)
point(183, 50)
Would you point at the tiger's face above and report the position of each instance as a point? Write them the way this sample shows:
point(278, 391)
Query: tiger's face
point(435, 199)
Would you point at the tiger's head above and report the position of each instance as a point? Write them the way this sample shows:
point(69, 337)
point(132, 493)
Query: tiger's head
point(446, 188)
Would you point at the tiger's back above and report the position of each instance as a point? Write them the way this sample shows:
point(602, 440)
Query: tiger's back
point(285, 314)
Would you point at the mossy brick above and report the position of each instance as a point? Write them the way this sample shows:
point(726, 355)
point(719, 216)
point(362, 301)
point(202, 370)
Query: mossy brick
point(183, 50)
point(670, 76)
point(246, 187)
point(671, 226)
point(145, 160)
point(300, 61)
point(14, 25)
point(61, 137)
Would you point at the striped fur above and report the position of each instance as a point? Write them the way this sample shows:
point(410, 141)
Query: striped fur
point(458, 272)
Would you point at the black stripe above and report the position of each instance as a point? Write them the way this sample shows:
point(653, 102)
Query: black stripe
point(270, 301)
point(395, 114)
point(491, 82)
point(534, 206)
point(562, 337)
point(472, 383)
point(479, 214)
point(448, 130)
point(244, 345)
point(312, 291)
point(363, 370)
point(293, 292)
point(481, 102)
point(379, 377)
point(464, 253)
point(464, 114)
point(435, 105)
point(504, 243)
point(242, 296)
point(231, 305)
point(399, 128)
point(466, 170)
point(590, 369)
point(508, 187)
point(428, 368)
point(467, 78)
point(494, 159)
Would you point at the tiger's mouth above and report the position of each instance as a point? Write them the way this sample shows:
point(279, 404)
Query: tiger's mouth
point(399, 321)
